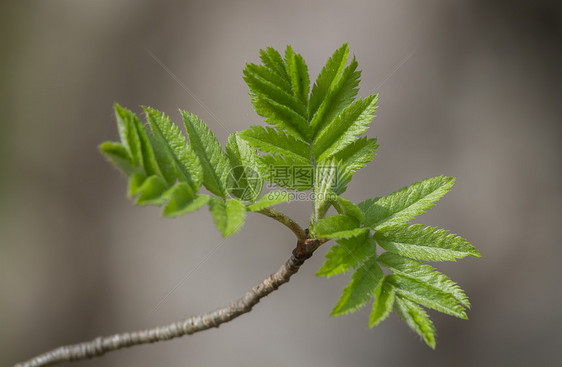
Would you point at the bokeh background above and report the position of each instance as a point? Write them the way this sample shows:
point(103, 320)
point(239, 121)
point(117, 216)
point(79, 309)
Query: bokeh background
point(470, 89)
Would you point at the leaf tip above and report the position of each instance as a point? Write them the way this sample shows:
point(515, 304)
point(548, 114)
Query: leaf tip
point(117, 107)
point(450, 181)
point(430, 341)
point(476, 253)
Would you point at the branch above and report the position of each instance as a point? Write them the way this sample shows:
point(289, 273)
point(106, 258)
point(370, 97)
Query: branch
point(284, 219)
point(101, 345)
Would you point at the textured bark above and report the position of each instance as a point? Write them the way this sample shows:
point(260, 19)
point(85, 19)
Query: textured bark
point(102, 345)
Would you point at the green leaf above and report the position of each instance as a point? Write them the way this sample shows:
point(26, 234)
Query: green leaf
point(281, 116)
point(214, 161)
point(270, 199)
point(119, 156)
point(151, 191)
point(135, 142)
point(229, 216)
point(360, 289)
point(279, 92)
point(245, 181)
point(328, 77)
point(416, 318)
point(135, 182)
point(161, 159)
point(343, 177)
point(268, 85)
point(403, 205)
point(186, 163)
point(423, 273)
point(348, 253)
point(338, 226)
point(383, 302)
point(345, 128)
point(421, 243)
point(315, 143)
point(426, 295)
point(148, 156)
point(276, 142)
point(344, 206)
point(340, 95)
point(128, 133)
point(298, 73)
point(182, 199)
point(273, 61)
point(355, 156)
point(166, 167)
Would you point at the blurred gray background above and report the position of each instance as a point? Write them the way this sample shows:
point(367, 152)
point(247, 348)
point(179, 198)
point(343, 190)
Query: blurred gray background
point(470, 89)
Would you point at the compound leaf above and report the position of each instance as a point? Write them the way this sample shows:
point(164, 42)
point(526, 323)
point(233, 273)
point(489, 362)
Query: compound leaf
point(315, 143)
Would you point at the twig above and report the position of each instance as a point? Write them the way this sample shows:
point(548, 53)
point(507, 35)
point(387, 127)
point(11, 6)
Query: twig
point(101, 345)
point(288, 222)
